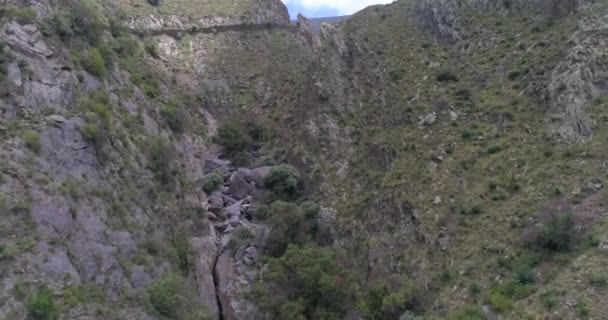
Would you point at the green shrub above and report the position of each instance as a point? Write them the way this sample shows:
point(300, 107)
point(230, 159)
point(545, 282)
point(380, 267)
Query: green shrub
point(499, 302)
point(233, 137)
point(557, 233)
point(23, 15)
point(152, 49)
point(127, 46)
point(82, 20)
point(42, 306)
point(469, 313)
point(446, 75)
point(171, 297)
point(32, 140)
point(4, 61)
point(292, 224)
point(175, 117)
point(283, 182)
point(241, 237)
point(312, 285)
point(549, 300)
point(598, 280)
point(97, 113)
point(160, 160)
point(213, 182)
point(380, 303)
point(84, 294)
point(582, 309)
point(93, 62)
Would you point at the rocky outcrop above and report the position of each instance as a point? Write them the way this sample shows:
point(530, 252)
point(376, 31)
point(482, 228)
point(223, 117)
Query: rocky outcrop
point(578, 80)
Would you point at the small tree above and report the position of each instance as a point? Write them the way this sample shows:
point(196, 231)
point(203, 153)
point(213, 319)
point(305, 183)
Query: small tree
point(312, 284)
point(557, 233)
point(283, 181)
point(234, 138)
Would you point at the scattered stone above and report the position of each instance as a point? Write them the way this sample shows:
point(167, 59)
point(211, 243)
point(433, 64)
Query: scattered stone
point(437, 200)
point(428, 120)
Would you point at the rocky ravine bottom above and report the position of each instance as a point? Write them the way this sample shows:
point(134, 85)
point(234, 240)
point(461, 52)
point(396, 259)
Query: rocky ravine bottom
point(227, 251)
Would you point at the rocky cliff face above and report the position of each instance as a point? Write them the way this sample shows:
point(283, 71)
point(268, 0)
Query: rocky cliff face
point(434, 134)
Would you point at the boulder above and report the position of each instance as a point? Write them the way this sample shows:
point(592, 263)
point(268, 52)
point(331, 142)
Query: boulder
point(215, 202)
point(215, 164)
point(239, 187)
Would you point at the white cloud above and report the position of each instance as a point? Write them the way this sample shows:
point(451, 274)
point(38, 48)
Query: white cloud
point(343, 6)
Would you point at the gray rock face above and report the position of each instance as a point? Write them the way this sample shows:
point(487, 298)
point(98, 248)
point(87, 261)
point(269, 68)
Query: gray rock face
point(439, 18)
point(580, 78)
point(205, 252)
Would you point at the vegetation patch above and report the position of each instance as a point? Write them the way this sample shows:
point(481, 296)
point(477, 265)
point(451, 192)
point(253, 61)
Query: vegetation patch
point(213, 182)
point(311, 285)
point(171, 298)
point(32, 141)
point(42, 306)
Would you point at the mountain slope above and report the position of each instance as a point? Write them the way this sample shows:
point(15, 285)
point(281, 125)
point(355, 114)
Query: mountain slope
point(208, 160)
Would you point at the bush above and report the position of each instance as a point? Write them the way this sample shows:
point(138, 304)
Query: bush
point(311, 284)
point(381, 303)
point(93, 62)
point(152, 49)
point(127, 46)
point(175, 117)
point(4, 60)
point(172, 298)
point(291, 224)
point(446, 75)
point(23, 15)
point(233, 137)
point(161, 158)
point(283, 182)
point(97, 113)
point(213, 182)
point(469, 313)
point(82, 20)
point(557, 233)
point(549, 300)
point(241, 237)
point(42, 306)
point(499, 302)
point(32, 141)
point(598, 280)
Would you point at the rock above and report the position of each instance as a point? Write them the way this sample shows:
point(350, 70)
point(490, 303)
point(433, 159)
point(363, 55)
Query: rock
point(437, 200)
point(428, 120)
point(234, 210)
point(139, 277)
point(239, 187)
point(490, 314)
point(603, 246)
point(205, 253)
point(211, 216)
point(444, 241)
point(215, 202)
point(215, 164)
point(234, 279)
point(306, 31)
point(259, 174)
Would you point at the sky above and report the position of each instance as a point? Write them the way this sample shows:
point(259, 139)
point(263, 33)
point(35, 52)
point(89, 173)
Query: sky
point(328, 8)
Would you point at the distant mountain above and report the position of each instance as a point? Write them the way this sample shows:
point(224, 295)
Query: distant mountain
point(315, 23)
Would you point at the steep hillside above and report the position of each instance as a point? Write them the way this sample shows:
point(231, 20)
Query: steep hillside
point(202, 159)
